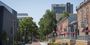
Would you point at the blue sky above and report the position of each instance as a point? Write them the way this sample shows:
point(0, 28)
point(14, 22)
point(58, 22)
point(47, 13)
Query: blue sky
point(36, 8)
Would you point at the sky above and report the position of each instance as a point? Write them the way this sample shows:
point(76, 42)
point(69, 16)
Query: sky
point(36, 8)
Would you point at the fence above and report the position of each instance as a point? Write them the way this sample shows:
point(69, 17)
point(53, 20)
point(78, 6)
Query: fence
point(86, 37)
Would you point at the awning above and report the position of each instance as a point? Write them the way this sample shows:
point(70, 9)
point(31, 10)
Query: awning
point(73, 22)
point(62, 33)
point(86, 30)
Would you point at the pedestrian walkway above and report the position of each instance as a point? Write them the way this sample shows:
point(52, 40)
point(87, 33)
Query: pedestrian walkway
point(36, 43)
point(43, 43)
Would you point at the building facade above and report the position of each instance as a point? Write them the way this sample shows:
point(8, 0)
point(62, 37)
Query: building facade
point(21, 16)
point(67, 27)
point(83, 17)
point(60, 8)
point(8, 24)
point(73, 31)
point(62, 28)
point(69, 8)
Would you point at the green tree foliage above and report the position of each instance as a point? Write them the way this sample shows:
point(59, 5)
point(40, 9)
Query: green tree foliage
point(65, 14)
point(27, 28)
point(47, 23)
point(4, 36)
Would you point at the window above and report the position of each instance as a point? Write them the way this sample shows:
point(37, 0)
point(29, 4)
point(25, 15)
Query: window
point(87, 11)
point(11, 30)
point(86, 30)
point(59, 9)
point(84, 18)
point(65, 29)
point(86, 33)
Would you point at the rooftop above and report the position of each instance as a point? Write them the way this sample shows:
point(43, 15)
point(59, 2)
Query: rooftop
point(22, 14)
point(6, 6)
point(58, 5)
point(82, 3)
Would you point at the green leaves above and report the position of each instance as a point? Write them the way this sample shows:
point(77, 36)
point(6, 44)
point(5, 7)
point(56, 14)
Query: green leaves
point(47, 23)
point(27, 28)
point(65, 14)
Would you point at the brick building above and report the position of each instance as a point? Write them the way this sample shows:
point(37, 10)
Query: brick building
point(83, 17)
point(62, 27)
point(67, 26)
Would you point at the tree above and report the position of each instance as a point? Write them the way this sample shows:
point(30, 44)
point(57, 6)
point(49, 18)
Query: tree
point(4, 37)
point(47, 23)
point(64, 14)
point(27, 30)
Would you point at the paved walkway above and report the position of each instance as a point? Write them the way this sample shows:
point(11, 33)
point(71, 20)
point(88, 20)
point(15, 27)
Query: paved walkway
point(43, 43)
point(38, 43)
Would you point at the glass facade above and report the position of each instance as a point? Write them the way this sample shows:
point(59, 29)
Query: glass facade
point(69, 8)
point(59, 9)
point(8, 17)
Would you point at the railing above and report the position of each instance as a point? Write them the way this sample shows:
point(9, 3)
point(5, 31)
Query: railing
point(62, 37)
point(86, 37)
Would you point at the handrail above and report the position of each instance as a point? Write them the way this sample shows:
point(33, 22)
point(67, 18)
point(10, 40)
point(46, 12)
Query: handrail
point(86, 37)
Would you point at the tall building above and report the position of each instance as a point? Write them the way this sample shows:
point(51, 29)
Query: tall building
point(69, 8)
point(21, 16)
point(60, 8)
point(8, 24)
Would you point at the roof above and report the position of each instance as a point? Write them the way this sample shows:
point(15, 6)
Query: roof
point(7, 7)
point(81, 4)
point(58, 5)
point(73, 22)
point(22, 14)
